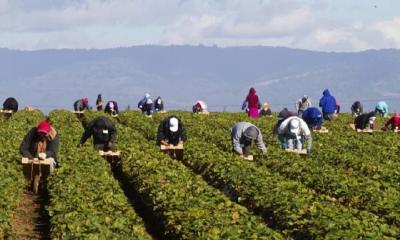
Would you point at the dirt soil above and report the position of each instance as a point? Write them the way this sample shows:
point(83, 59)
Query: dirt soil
point(30, 220)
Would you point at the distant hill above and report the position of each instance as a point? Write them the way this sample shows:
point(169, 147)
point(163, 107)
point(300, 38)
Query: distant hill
point(50, 79)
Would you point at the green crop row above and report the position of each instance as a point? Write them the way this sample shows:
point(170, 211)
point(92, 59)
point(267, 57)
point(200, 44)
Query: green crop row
point(350, 190)
point(12, 182)
point(86, 201)
point(259, 189)
point(187, 207)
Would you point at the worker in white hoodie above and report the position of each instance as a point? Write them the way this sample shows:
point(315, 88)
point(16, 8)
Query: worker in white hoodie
point(292, 133)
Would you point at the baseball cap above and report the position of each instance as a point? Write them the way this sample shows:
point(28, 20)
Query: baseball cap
point(173, 124)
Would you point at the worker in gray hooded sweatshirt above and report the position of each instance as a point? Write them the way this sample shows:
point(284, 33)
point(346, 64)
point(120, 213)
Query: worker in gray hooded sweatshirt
point(243, 133)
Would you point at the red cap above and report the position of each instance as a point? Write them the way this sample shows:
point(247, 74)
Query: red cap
point(44, 127)
point(85, 100)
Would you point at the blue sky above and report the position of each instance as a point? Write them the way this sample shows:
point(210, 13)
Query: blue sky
point(321, 25)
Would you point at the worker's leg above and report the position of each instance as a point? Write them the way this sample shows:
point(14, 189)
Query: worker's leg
point(290, 143)
point(52, 164)
point(246, 149)
point(100, 147)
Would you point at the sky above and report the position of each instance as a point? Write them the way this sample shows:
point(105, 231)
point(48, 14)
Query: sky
point(319, 25)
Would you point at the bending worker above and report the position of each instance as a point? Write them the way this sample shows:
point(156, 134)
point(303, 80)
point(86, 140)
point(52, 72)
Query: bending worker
point(292, 133)
point(171, 131)
point(302, 104)
point(328, 105)
point(356, 109)
point(313, 117)
point(41, 142)
point(81, 104)
point(365, 121)
point(112, 108)
point(242, 134)
point(146, 105)
point(199, 106)
point(382, 108)
point(104, 134)
point(393, 123)
point(10, 104)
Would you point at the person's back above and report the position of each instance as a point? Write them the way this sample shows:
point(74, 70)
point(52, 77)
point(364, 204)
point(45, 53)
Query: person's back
point(302, 104)
point(382, 108)
point(99, 103)
point(328, 105)
point(10, 104)
point(111, 108)
point(103, 131)
point(356, 109)
point(364, 120)
point(313, 117)
point(81, 104)
point(171, 131)
point(159, 104)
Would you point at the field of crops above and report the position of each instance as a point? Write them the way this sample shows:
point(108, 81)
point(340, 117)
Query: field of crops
point(348, 188)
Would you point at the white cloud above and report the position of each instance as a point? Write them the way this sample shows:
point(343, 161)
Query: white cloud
point(113, 23)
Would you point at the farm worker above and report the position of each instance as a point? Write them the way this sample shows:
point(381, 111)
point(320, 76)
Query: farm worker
point(313, 117)
point(265, 110)
point(103, 131)
point(365, 120)
point(242, 134)
point(99, 103)
point(146, 105)
point(10, 104)
point(393, 122)
point(171, 131)
point(356, 109)
point(302, 104)
point(112, 108)
point(382, 108)
point(251, 104)
point(292, 133)
point(328, 105)
point(199, 106)
point(81, 104)
point(159, 104)
point(284, 114)
point(41, 142)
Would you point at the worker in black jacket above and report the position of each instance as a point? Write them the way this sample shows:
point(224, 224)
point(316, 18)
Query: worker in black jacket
point(171, 131)
point(41, 142)
point(104, 134)
point(10, 104)
point(365, 121)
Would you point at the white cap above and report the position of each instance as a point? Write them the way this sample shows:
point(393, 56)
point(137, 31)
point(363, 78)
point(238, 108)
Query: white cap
point(147, 95)
point(372, 120)
point(295, 126)
point(173, 124)
point(111, 106)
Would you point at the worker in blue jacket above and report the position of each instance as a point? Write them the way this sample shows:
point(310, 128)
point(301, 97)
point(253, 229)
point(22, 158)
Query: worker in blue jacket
point(382, 109)
point(328, 105)
point(313, 117)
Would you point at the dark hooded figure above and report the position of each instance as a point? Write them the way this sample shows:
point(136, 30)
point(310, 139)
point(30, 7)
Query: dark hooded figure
point(10, 104)
point(242, 134)
point(99, 103)
point(103, 131)
point(356, 109)
point(171, 131)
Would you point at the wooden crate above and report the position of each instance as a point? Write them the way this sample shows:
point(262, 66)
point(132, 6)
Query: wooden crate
point(110, 153)
point(32, 167)
point(171, 147)
point(301, 152)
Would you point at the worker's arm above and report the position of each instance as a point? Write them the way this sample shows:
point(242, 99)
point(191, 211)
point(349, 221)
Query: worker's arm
point(236, 142)
point(183, 133)
point(87, 133)
point(160, 133)
point(260, 143)
point(113, 132)
point(309, 143)
point(25, 145)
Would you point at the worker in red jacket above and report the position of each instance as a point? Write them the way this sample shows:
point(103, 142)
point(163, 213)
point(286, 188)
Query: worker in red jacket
point(393, 123)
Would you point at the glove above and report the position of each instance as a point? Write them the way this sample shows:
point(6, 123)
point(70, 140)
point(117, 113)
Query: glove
point(42, 156)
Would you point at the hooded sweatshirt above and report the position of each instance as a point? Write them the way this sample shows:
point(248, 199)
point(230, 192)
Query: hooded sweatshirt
point(102, 129)
point(252, 100)
point(382, 107)
point(10, 104)
point(238, 134)
point(164, 132)
point(29, 146)
point(393, 121)
point(313, 117)
point(327, 103)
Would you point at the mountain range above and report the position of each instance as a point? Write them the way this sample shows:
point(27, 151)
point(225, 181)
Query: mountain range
point(49, 79)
